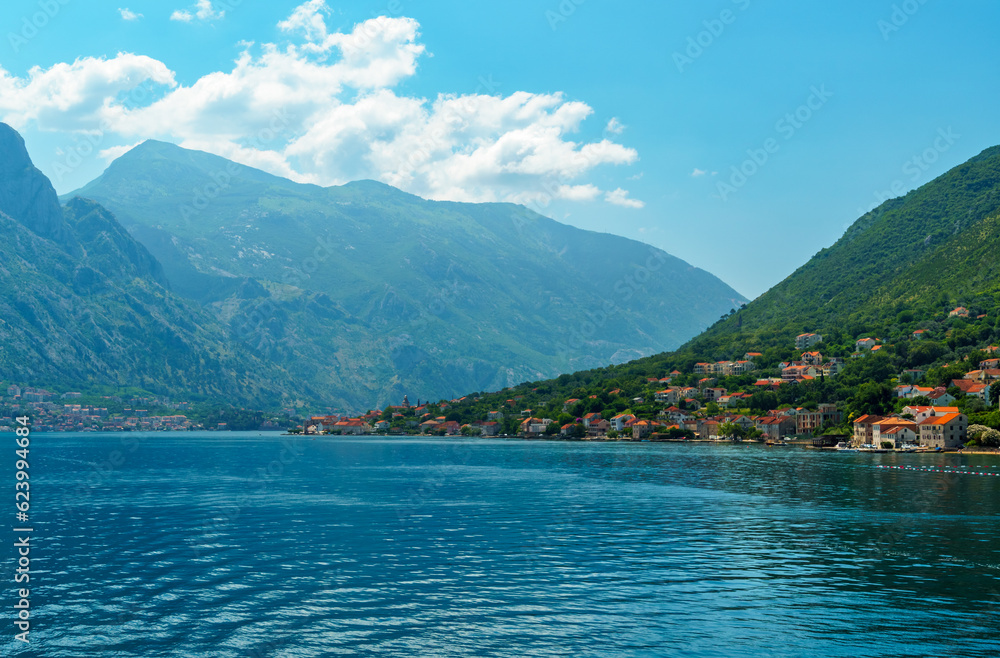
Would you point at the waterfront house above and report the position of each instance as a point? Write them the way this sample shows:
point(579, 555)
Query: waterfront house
point(807, 422)
point(776, 427)
point(641, 429)
point(919, 413)
point(598, 427)
point(864, 431)
point(619, 421)
point(491, 428)
point(894, 430)
point(533, 427)
point(352, 426)
point(945, 431)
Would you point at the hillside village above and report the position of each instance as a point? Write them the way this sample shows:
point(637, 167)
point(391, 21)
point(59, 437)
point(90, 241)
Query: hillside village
point(744, 399)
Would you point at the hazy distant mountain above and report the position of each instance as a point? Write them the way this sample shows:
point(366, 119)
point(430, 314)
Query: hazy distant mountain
point(366, 292)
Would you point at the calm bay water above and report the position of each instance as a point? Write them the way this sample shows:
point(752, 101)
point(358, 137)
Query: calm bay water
point(247, 544)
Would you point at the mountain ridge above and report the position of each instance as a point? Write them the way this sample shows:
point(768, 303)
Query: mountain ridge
point(431, 297)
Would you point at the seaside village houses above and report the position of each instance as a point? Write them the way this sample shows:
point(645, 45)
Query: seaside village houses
point(681, 410)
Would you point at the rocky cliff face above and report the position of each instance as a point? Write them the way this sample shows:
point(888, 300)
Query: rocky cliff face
point(27, 196)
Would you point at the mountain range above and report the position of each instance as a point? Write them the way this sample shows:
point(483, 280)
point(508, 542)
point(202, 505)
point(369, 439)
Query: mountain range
point(181, 272)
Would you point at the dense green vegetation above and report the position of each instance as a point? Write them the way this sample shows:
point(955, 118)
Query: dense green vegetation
point(900, 268)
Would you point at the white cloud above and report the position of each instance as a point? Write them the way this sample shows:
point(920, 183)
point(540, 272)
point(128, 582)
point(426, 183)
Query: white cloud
point(614, 127)
point(619, 197)
point(323, 108)
point(204, 11)
point(307, 19)
point(578, 192)
point(129, 15)
point(115, 152)
point(80, 96)
point(698, 172)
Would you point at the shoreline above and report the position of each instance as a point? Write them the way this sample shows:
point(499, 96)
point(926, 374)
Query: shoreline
point(801, 443)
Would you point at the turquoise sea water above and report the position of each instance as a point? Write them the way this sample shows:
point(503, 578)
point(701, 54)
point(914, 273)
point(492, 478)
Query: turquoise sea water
point(248, 544)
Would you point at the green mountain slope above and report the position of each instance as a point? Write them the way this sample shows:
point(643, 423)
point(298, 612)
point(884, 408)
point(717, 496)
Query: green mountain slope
point(83, 304)
point(368, 292)
point(919, 255)
point(902, 267)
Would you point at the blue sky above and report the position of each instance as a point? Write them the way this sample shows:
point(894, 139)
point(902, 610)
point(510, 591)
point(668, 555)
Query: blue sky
point(631, 118)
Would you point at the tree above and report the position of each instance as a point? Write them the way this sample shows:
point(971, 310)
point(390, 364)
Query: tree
point(763, 401)
point(732, 430)
point(987, 436)
point(872, 398)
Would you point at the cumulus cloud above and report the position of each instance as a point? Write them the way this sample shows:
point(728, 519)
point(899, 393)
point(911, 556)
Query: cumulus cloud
point(203, 11)
point(323, 108)
point(614, 127)
point(307, 19)
point(619, 197)
point(80, 96)
point(697, 173)
point(128, 14)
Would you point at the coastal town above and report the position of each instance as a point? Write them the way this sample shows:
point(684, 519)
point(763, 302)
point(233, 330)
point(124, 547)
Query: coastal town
point(693, 406)
point(739, 400)
point(73, 411)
